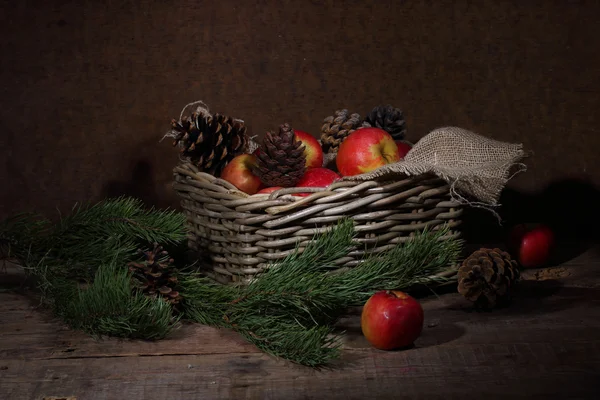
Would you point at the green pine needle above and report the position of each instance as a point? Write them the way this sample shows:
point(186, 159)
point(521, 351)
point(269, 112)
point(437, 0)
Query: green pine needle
point(289, 311)
point(405, 265)
point(92, 235)
point(282, 337)
point(205, 301)
point(109, 307)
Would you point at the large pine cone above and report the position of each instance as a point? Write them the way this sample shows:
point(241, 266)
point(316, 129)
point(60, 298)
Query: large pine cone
point(210, 142)
point(281, 158)
point(388, 118)
point(336, 128)
point(156, 276)
point(486, 277)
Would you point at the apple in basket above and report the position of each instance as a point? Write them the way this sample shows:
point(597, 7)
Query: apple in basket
point(365, 150)
point(316, 177)
point(270, 189)
point(391, 320)
point(239, 173)
point(312, 149)
point(403, 148)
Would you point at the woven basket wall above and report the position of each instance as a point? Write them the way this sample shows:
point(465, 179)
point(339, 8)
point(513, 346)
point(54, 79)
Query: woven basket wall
point(237, 235)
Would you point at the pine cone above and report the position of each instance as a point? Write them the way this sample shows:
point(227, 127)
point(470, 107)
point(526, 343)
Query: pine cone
point(389, 119)
point(281, 159)
point(155, 276)
point(210, 141)
point(486, 277)
point(336, 128)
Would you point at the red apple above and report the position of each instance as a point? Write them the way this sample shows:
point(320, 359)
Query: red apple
point(364, 150)
point(403, 148)
point(312, 149)
point(239, 173)
point(391, 320)
point(269, 189)
point(531, 244)
point(316, 177)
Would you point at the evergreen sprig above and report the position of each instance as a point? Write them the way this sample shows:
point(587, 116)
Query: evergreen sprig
point(313, 346)
point(20, 234)
point(91, 235)
point(109, 307)
point(289, 311)
point(91, 247)
point(300, 298)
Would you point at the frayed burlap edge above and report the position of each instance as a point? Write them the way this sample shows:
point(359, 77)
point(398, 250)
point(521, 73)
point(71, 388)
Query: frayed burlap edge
point(476, 168)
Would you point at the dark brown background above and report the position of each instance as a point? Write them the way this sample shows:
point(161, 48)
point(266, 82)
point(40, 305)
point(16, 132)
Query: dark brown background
point(89, 89)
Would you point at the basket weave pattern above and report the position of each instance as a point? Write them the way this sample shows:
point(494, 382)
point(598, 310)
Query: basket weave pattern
point(239, 235)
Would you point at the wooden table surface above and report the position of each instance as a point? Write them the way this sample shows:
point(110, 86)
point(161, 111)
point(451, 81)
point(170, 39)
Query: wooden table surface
point(545, 346)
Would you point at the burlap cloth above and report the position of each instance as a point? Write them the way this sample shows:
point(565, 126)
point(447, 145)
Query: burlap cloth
point(477, 168)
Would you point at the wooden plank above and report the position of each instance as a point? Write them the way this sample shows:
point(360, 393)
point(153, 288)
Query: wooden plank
point(512, 352)
point(569, 312)
point(568, 370)
point(32, 334)
point(544, 346)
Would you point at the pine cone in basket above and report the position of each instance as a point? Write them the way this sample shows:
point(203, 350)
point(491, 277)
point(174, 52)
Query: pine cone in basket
point(281, 159)
point(155, 275)
point(336, 128)
point(388, 118)
point(486, 277)
point(210, 141)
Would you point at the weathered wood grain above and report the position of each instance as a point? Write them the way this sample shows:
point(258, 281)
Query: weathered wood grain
point(518, 370)
point(39, 336)
point(545, 345)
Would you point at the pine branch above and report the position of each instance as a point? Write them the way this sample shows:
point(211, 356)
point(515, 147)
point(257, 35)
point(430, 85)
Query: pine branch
point(283, 337)
point(94, 243)
point(299, 279)
point(109, 307)
point(92, 235)
point(405, 265)
point(290, 310)
point(205, 301)
point(20, 233)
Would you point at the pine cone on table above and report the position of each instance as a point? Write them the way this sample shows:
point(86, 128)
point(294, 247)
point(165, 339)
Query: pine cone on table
point(210, 141)
point(155, 275)
point(281, 159)
point(337, 127)
point(487, 276)
point(388, 118)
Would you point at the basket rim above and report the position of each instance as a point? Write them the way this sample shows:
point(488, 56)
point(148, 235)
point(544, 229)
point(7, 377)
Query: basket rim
point(339, 188)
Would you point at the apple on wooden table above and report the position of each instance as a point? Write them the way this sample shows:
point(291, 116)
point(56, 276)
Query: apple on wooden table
point(365, 150)
point(531, 244)
point(391, 320)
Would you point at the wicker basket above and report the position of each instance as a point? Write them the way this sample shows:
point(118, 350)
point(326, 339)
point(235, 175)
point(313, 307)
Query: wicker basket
point(239, 235)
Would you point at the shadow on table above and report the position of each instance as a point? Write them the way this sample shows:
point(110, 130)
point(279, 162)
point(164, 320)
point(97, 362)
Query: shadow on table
point(436, 331)
point(550, 296)
point(535, 298)
point(568, 207)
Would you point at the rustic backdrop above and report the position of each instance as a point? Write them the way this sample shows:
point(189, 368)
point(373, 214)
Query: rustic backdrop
point(89, 88)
